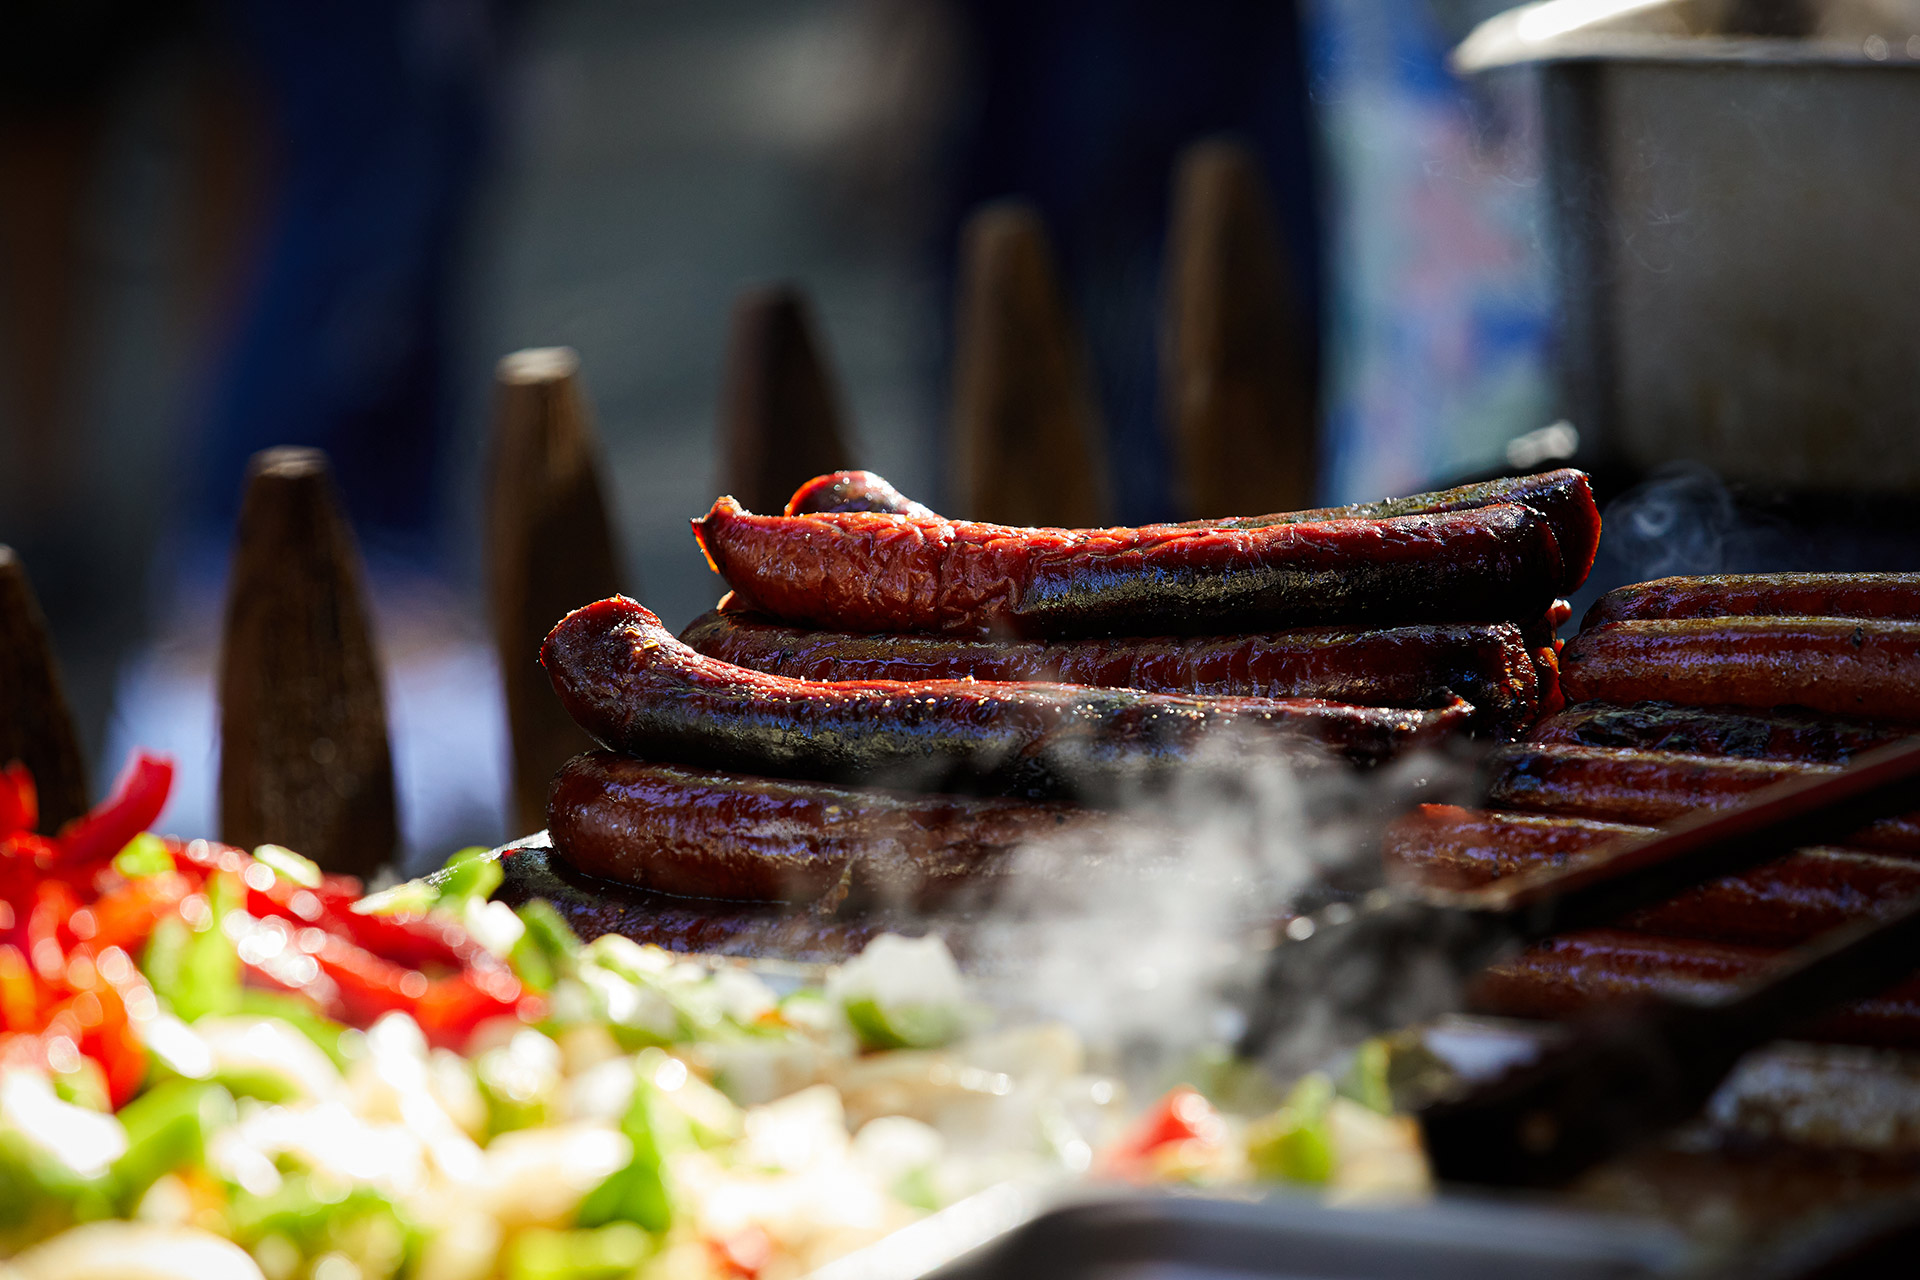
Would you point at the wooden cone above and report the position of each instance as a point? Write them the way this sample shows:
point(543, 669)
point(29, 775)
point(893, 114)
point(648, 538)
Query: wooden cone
point(36, 725)
point(1239, 392)
point(304, 760)
point(781, 422)
point(1028, 443)
point(550, 550)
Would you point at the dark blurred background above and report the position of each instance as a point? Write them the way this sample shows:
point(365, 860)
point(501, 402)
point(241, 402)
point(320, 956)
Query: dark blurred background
point(230, 225)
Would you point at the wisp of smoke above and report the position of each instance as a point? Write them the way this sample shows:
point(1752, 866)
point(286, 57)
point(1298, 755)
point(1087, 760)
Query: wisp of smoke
point(1153, 957)
point(1683, 520)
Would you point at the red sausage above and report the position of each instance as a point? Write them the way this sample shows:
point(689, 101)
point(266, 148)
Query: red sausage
point(1892, 596)
point(1579, 971)
point(629, 683)
point(1838, 665)
point(1485, 663)
point(1779, 904)
point(712, 834)
point(1653, 787)
point(867, 571)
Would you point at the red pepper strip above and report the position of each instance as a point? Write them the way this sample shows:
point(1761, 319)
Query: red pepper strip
point(416, 940)
point(98, 1016)
point(20, 1000)
point(454, 1006)
point(136, 804)
point(19, 801)
point(1183, 1115)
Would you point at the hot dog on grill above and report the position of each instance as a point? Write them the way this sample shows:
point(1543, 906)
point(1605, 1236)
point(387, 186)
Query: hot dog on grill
point(1783, 734)
point(1654, 787)
point(1779, 904)
point(866, 571)
point(1423, 665)
point(1892, 596)
point(710, 833)
point(1578, 971)
point(625, 680)
point(1859, 667)
point(1563, 497)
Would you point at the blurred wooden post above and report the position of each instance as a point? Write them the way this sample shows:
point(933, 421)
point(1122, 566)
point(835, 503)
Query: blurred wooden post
point(36, 725)
point(1029, 448)
point(550, 550)
point(781, 420)
point(1239, 391)
point(304, 760)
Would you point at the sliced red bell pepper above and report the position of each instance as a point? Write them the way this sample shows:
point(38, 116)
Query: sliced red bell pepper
point(19, 801)
point(125, 916)
point(134, 806)
point(20, 993)
point(1183, 1115)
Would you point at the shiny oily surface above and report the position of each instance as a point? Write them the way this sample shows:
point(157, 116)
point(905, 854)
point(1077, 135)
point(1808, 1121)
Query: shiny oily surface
point(1856, 667)
point(1778, 904)
point(1749, 733)
point(714, 834)
point(870, 571)
point(1892, 596)
point(1654, 787)
point(626, 680)
point(1575, 972)
point(1412, 666)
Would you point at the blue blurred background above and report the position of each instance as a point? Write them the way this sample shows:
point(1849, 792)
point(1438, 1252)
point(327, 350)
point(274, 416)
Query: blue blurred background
point(253, 222)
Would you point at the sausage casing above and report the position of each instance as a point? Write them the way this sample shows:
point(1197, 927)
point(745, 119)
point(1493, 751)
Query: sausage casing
point(1654, 787)
point(715, 834)
point(867, 571)
point(1414, 666)
point(1778, 904)
point(626, 680)
point(1577, 971)
point(1892, 596)
point(1750, 733)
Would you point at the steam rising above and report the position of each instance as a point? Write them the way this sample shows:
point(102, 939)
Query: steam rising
point(1155, 956)
point(1685, 521)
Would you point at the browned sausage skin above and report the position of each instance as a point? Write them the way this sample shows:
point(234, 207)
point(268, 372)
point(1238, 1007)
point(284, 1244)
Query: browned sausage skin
point(1412, 666)
point(1754, 734)
point(1654, 787)
point(1578, 971)
point(1780, 904)
point(629, 683)
point(1844, 666)
point(1892, 596)
point(868, 571)
point(709, 833)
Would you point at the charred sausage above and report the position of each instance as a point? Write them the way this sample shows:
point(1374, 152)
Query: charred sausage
point(1780, 904)
point(1563, 497)
point(1415, 666)
point(709, 833)
point(866, 571)
point(1578, 971)
point(1652, 787)
point(1892, 596)
point(1859, 667)
point(629, 683)
point(1783, 734)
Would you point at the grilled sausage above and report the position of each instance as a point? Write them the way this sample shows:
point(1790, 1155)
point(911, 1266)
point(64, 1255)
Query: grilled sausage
point(1783, 734)
point(1415, 666)
point(708, 833)
point(1845, 666)
point(629, 683)
point(1578, 971)
point(1563, 497)
point(1892, 596)
point(866, 571)
point(1652, 787)
point(1779, 904)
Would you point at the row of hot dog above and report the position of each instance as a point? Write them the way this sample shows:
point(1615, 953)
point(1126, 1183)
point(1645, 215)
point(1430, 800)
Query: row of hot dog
point(869, 643)
point(1693, 694)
